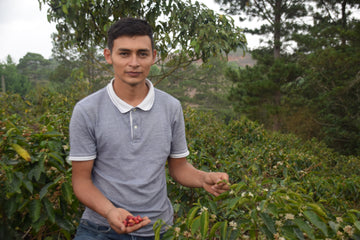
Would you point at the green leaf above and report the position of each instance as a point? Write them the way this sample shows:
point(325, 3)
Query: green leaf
point(63, 223)
point(214, 229)
point(357, 225)
point(66, 190)
point(16, 183)
point(10, 207)
point(195, 225)
point(299, 234)
point(28, 185)
point(223, 231)
point(35, 210)
point(157, 228)
point(305, 227)
point(36, 171)
point(334, 226)
point(45, 189)
point(268, 222)
point(65, 10)
point(57, 157)
point(193, 211)
point(204, 224)
point(49, 210)
point(315, 219)
point(317, 209)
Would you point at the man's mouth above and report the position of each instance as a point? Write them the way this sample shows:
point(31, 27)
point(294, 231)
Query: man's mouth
point(133, 74)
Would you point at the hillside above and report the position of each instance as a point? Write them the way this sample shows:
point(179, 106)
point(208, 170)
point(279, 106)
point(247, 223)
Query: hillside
point(241, 60)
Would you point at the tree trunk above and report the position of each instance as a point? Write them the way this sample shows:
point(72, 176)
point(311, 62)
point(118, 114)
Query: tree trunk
point(343, 20)
point(277, 28)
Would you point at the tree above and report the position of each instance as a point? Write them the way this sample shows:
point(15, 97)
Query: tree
point(257, 91)
point(280, 18)
point(14, 81)
point(333, 23)
point(191, 31)
point(34, 66)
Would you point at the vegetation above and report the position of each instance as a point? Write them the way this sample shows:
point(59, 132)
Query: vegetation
point(281, 186)
point(285, 126)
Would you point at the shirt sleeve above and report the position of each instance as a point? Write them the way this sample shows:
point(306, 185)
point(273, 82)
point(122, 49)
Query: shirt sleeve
point(179, 147)
point(82, 136)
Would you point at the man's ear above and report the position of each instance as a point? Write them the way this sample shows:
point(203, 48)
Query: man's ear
point(107, 55)
point(154, 56)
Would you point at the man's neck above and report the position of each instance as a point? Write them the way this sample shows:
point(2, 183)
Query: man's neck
point(131, 94)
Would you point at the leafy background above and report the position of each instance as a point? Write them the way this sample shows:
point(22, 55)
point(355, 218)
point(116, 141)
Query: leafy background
point(283, 124)
point(281, 186)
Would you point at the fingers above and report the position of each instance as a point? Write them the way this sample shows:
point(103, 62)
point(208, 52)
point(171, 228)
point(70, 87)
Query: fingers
point(121, 228)
point(217, 183)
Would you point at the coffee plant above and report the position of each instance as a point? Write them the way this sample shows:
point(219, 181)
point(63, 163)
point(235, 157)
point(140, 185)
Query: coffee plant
point(280, 186)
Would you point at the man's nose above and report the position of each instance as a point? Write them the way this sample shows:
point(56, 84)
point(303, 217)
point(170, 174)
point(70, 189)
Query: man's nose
point(134, 61)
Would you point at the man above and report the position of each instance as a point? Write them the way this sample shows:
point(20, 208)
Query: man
point(121, 137)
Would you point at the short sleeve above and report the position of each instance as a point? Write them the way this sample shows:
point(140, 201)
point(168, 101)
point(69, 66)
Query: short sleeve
point(178, 145)
point(82, 136)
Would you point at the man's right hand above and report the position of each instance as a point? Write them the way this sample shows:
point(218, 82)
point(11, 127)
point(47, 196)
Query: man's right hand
point(115, 217)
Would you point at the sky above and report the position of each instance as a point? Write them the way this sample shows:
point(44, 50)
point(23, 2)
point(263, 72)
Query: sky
point(24, 28)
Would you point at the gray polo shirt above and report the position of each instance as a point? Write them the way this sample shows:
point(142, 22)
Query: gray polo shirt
point(130, 146)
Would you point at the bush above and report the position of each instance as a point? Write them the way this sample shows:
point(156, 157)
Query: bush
point(281, 187)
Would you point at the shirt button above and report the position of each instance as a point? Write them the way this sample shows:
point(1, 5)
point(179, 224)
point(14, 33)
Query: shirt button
point(135, 127)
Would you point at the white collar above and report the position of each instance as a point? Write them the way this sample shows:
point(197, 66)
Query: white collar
point(124, 107)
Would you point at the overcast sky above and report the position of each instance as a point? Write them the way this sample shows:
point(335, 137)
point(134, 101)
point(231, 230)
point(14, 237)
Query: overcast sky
point(24, 28)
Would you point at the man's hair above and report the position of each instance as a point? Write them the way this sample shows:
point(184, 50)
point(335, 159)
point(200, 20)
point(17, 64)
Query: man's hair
point(129, 27)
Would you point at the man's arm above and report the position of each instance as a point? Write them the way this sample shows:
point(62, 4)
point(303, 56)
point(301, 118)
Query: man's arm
point(186, 174)
point(93, 198)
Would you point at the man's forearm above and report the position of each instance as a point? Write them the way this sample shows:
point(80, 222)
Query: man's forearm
point(185, 173)
point(92, 197)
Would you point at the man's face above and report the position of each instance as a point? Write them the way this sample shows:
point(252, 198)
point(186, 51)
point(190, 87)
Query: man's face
point(132, 58)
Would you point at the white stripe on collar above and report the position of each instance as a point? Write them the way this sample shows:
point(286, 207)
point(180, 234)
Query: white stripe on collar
point(124, 107)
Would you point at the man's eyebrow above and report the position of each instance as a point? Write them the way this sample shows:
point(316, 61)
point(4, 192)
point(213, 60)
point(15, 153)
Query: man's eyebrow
point(123, 50)
point(129, 50)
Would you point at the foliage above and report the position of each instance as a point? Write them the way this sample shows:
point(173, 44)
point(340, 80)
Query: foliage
point(331, 89)
point(84, 23)
point(14, 82)
point(281, 187)
point(34, 66)
point(257, 92)
point(314, 91)
point(278, 18)
point(333, 25)
point(37, 199)
point(204, 86)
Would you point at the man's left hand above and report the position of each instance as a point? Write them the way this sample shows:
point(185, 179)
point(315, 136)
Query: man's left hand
point(216, 183)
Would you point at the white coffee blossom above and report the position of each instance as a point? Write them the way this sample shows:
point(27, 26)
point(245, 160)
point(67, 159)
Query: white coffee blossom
point(187, 234)
point(233, 225)
point(289, 216)
point(349, 230)
point(278, 223)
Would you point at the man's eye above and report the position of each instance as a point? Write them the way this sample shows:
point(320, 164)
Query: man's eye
point(123, 54)
point(143, 54)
